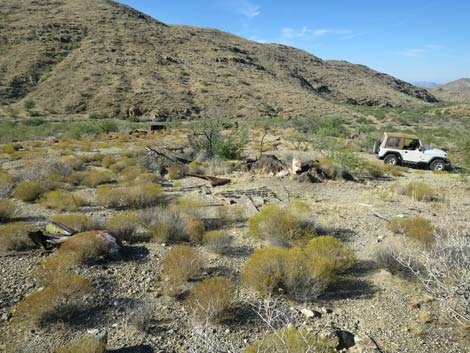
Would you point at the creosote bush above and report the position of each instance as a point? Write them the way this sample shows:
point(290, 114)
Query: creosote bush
point(84, 344)
point(415, 228)
point(28, 191)
point(77, 221)
point(135, 196)
point(211, 298)
point(417, 190)
point(62, 200)
point(92, 178)
point(14, 236)
point(303, 272)
point(7, 209)
point(125, 226)
point(293, 340)
point(180, 264)
point(83, 247)
point(217, 241)
point(280, 224)
point(65, 288)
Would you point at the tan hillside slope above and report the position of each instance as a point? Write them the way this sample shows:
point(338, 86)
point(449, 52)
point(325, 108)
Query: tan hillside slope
point(83, 56)
point(460, 86)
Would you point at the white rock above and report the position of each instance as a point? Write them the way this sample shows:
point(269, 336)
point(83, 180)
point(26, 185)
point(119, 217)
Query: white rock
point(307, 313)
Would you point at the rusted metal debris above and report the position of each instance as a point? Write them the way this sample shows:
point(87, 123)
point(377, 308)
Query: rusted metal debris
point(55, 234)
point(213, 180)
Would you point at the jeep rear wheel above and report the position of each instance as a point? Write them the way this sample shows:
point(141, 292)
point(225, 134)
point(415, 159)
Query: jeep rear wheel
point(437, 165)
point(391, 159)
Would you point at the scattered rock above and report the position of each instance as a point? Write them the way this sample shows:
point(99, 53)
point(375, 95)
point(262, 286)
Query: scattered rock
point(345, 339)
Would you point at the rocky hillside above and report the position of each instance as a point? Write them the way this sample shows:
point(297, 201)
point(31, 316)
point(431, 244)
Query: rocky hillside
point(100, 56)
point(459, 86)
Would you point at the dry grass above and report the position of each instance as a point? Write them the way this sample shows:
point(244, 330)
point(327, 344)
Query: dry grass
point(62, 200)
point(210, 299)
point(217, 241)
point(84, 344)
point(416, 228)
point(77, 221)
point(7, 209)
point(180, 264)
point(37, 306)
point(82, 247)
point(92, 178)
point(14, 236)
point(136, 196)
point(125, 226)
point(417, 190)
point(28, 191)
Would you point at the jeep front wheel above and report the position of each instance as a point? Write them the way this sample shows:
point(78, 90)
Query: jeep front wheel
point(391, 159)
point(437, 165)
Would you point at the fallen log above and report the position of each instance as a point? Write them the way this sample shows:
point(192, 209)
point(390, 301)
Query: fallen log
point(213, 180)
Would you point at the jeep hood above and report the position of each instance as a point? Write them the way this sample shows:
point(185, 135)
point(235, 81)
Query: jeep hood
point(434, 151)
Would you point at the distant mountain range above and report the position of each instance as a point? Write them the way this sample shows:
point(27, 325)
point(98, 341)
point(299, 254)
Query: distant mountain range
point(79, 56)
point(425, 84)
point(459, 86)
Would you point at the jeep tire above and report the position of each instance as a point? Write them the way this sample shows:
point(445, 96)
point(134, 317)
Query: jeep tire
point(392, 159)
point(437, 165)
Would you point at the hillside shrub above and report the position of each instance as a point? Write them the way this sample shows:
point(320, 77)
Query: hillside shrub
point(217, 241)
point(27, 191)
point(180, 264)
point(7, 209)
point(125, 226)
point(83, 247)
point(47, 271)
point(211, 298)
point(417, 190)
point(303, 272)
point(135, 196)
point(84, 344)
point(62, 200)
point(77, 221)
point(415, 228)
point(280, 225)
point(37, 306)
point(92, 178)
point(293, 340)
point(14, 236)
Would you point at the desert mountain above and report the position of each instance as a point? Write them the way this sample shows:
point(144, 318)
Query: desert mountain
point(72, 56)
point(459, 86)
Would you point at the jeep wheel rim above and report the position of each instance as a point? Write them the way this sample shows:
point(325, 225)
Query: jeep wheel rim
point(391, 160)
point(439, 166)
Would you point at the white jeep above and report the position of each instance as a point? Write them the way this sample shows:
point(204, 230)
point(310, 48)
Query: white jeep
point(405, 149)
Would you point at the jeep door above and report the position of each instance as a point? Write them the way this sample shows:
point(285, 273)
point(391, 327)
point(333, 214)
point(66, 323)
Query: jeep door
point(411, 152)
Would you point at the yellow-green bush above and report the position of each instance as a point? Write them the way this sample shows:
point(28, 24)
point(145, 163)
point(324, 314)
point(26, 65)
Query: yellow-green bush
point(136, 196)
point(7, 209)
point(122, 163)
point(211, 298)
point(415, 228)
point(125, 226)
point(217, 241)
point(132, 172)
point(84, 344)
point(180, 264)
point(293, 340)
point(327, 168)
point(303, 272)
point(14, 236)
point(77, 221)
point(280, 224)
point(196, 167)
point(417, 190)
point(107, 161)
point(27, 191)
point(92, 178)
point(35, 307)
point(83, 247)
point(176, 171)
point(62, 200)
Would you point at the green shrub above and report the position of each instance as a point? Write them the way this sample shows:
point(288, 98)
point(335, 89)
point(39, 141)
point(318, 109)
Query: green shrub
point(62, 200)
point(76, 221)
point(217, 241)
point(196, 167)
point(210, 299)
point(293, 340)
point(415, 228)
point(135, 196)
point(92, 178)
point(27, 191)
point(303, 272)
point(125, 226)
point(82, 247)
point(84, 344)
point(14, 236)
point(280, 224)
point(180, 264)
point(29, 104)
point(417, 190)
point(131, 173)
point(7, 209)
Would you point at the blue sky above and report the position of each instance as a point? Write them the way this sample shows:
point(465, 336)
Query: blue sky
point(415, 40)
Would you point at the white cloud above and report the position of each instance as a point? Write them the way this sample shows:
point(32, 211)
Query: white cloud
point(306, 33)
point(244, 7)
point(425, 49)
